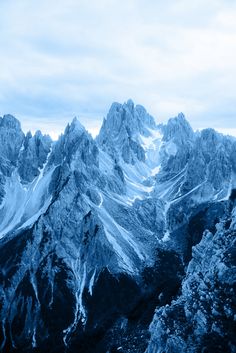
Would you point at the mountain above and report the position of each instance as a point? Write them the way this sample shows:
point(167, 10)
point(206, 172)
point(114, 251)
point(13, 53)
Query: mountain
point(202, 318)
point(97, 234)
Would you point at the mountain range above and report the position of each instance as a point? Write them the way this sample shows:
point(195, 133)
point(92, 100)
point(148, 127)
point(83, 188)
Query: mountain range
point(123, 243)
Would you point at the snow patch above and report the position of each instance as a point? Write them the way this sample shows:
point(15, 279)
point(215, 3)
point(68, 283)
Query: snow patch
point(123, 242)
point(125, 260)
point(23, 204)
point(166, 236)
point(171, 148)
point(91, 283)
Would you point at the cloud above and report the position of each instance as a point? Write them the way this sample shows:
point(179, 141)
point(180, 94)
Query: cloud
point(73, 57)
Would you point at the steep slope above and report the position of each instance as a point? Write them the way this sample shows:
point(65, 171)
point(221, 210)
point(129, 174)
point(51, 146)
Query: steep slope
point(203, 318)
point(96, 233)
point(130, 136)
point(85, 236)
point(201, 170)
point(11, 138)
point(122, 131)
point(23, 187)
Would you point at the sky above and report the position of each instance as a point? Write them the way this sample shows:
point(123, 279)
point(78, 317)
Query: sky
point(66, 58)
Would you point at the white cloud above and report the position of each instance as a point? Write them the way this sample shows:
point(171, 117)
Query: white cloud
point(73, 57)
point(231, 132)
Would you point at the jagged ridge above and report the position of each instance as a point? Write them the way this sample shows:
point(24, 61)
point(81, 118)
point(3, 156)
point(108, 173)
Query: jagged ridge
point(99, 227)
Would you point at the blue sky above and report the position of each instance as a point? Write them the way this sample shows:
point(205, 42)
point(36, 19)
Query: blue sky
point(66, 58)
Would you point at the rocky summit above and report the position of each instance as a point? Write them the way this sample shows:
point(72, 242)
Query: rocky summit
point(123, 243)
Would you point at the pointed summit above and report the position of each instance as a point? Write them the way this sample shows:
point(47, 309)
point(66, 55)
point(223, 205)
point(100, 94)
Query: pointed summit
point(75, 128)
point(121, 130)
point(130, 104)
point(33, 155)
point(178, 128)
point(11, 137)
point(76, 124)
point(128, 119)
point(75, 144)
point(10, 122)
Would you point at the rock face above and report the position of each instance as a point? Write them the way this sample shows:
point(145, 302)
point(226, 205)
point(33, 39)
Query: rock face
point(96, 234)
point(121, 131)
point(202, 319)
point(22, 160)
point(178, 139)
point(11, 138)
point(33, 156)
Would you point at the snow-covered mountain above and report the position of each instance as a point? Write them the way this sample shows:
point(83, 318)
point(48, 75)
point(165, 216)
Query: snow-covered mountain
point(96, 234)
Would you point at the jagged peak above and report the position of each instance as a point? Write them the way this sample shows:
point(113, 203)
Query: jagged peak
point(10, 122)
point(210, 139)
point(75, 128)
point(130, 104)
point(74, 141)
point(178, 127)
point(181, 116)
point(209, 133)
point(126, 118)
point(38, 134)
point(42, 137)
point(28, 135)
point(180, 119)
point(76, 124)
point(117, 107)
